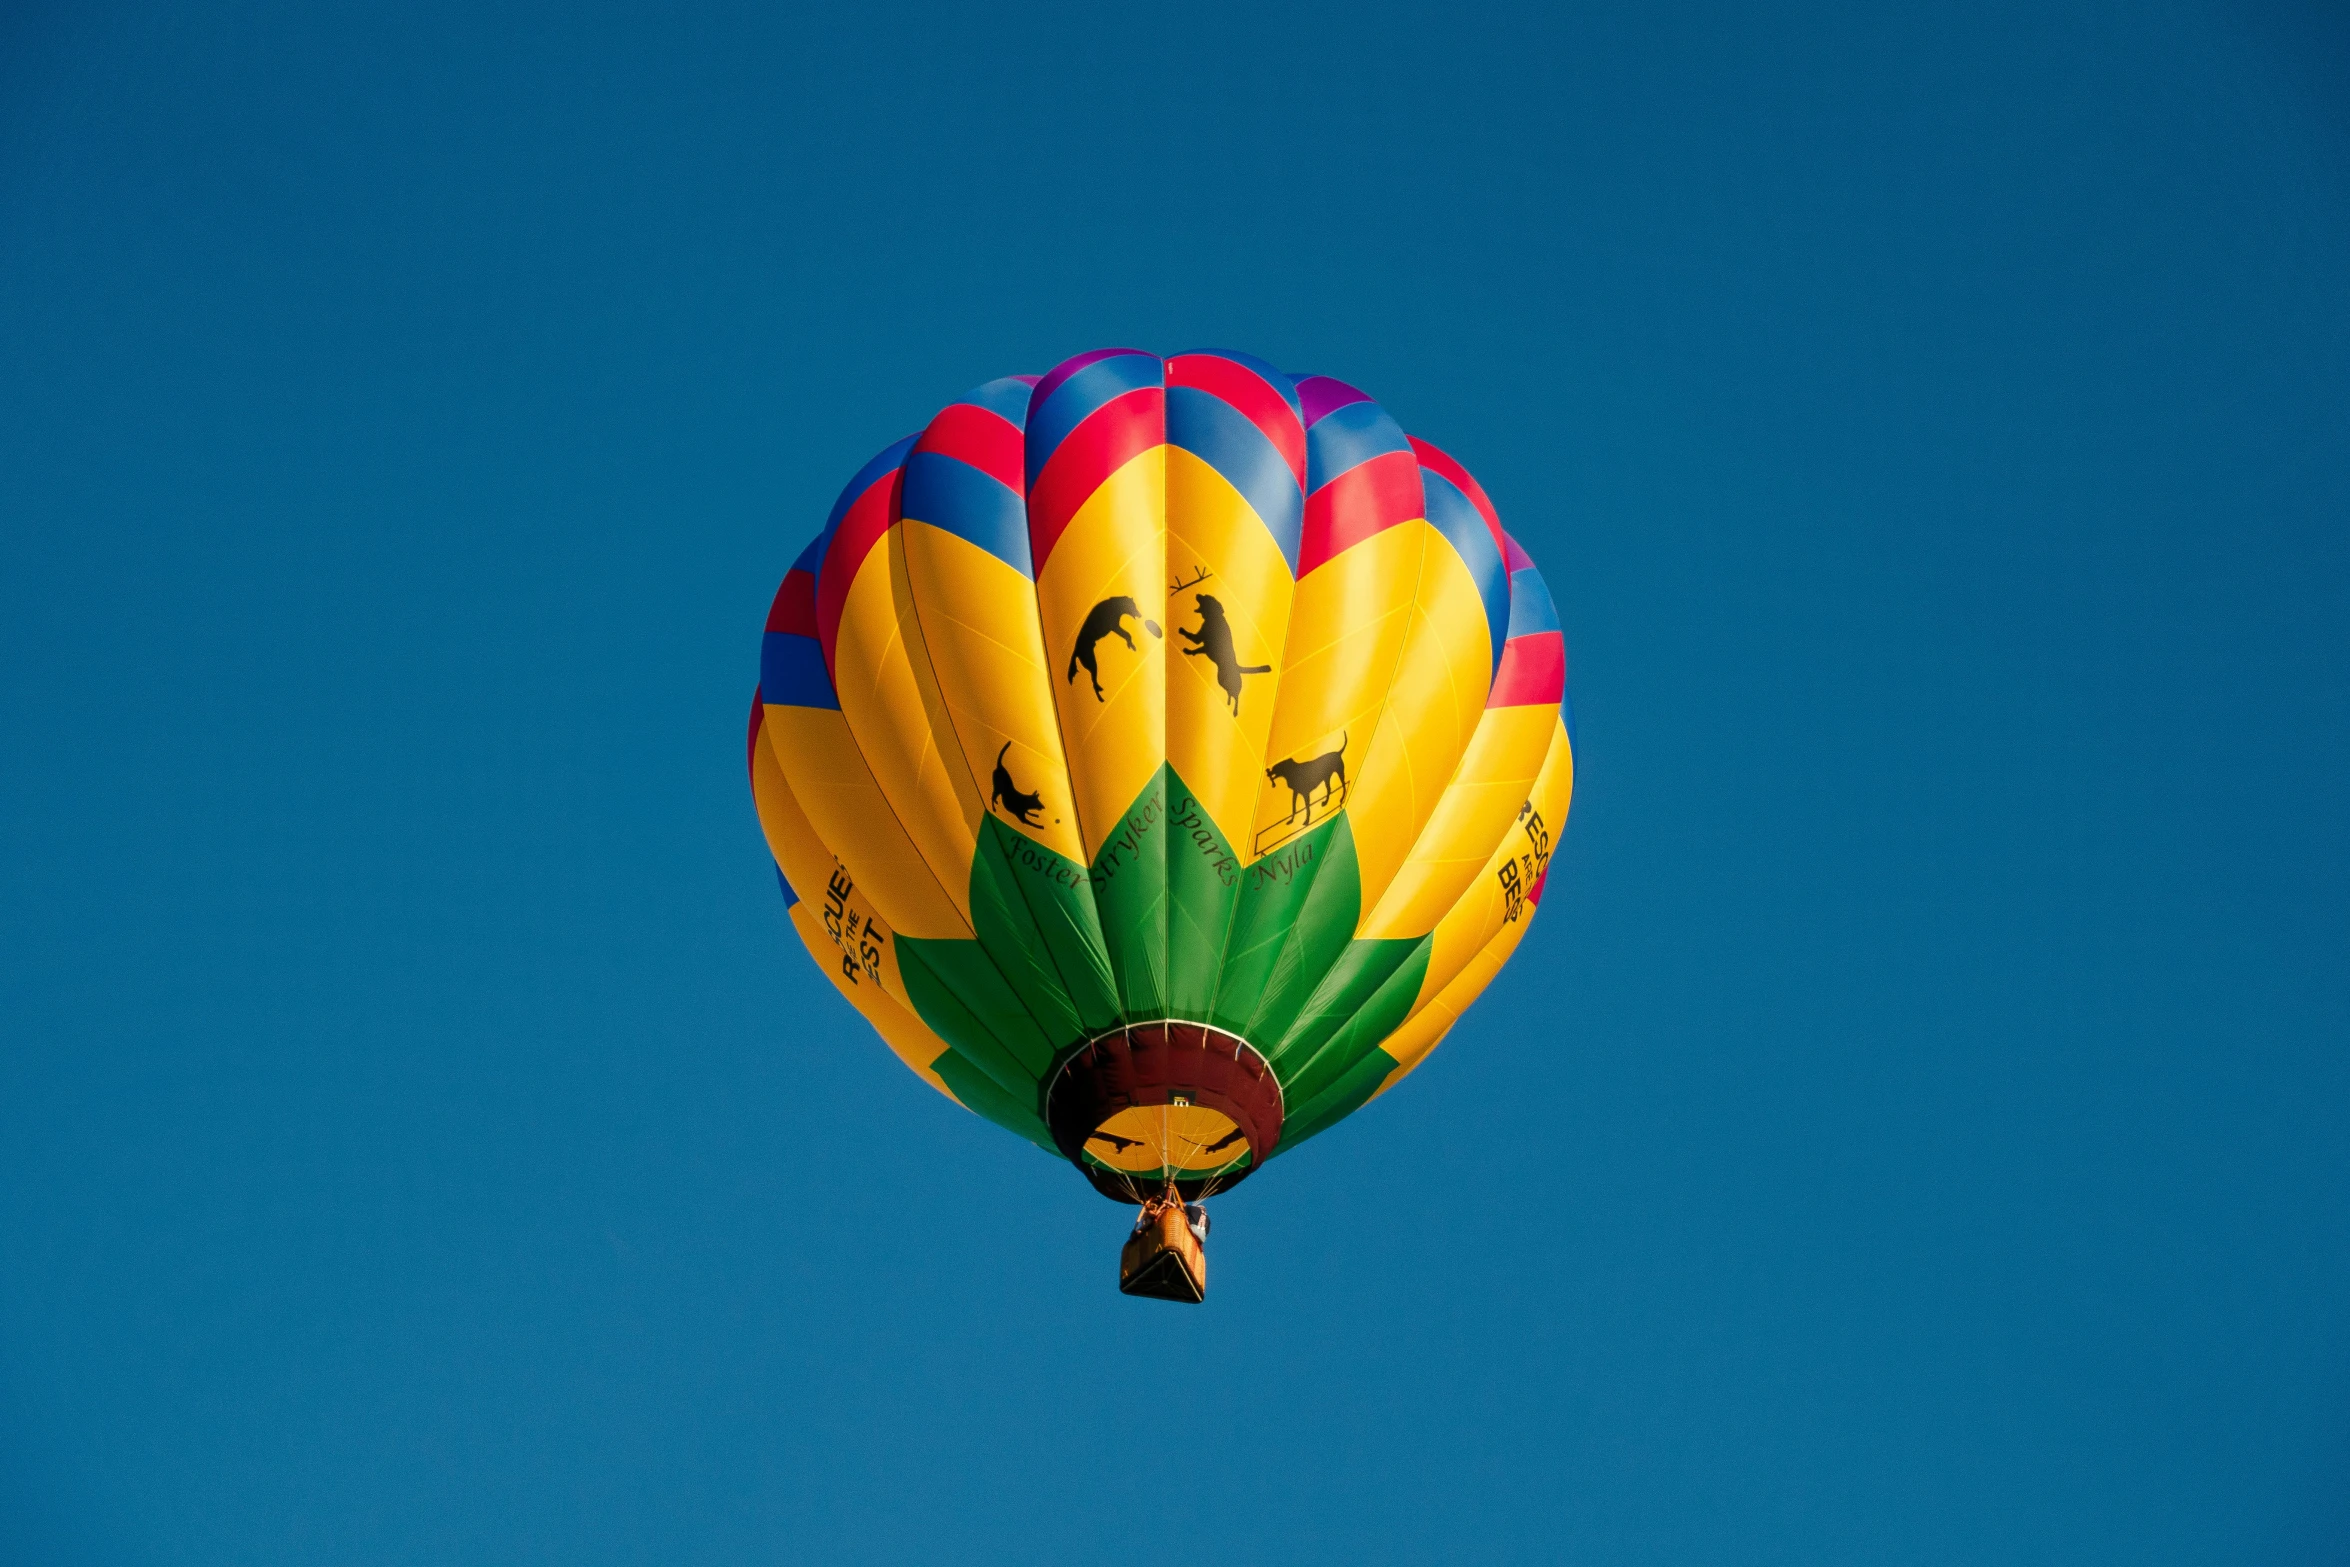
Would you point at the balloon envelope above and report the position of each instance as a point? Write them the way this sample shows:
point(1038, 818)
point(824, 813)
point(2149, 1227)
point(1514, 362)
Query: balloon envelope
point(1161, 754)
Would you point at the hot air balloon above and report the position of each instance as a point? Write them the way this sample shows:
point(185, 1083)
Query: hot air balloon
point(1161, 754)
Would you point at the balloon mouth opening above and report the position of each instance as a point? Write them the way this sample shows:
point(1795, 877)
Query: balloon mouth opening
point(1152, 1104)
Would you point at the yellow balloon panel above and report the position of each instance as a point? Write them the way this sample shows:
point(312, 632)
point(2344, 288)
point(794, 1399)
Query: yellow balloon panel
point(1228, 616)
point(979, 620)
point(799, 853)
point(1102, 594)
point(1347, 626)
point(834, 787)
point(1505, 910)
point(1516, 866)
point(881, 670)
point(1431, 712)
point(858, 935)
point(1495, 777)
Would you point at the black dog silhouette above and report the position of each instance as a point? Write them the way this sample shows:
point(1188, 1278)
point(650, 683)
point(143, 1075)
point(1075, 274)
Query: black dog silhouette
point(1100, 621)
point(1326, 772)
point(1213, 640)
point(1008, 795)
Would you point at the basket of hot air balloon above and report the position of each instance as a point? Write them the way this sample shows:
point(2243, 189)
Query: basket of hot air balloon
point(1161, 754)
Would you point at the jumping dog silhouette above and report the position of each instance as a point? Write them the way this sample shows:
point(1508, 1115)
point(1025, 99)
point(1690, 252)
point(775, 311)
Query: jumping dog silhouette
point(1326, 772)
point(1009, 796)
point(1100, 621)
point(1213, 640)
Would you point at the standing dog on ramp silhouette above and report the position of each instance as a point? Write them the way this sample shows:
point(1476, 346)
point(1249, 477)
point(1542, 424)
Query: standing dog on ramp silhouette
point(1326, 772)
point(1213, 641)
point(1100, 621)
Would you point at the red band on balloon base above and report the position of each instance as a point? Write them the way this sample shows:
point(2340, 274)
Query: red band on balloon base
point(1156, 1064)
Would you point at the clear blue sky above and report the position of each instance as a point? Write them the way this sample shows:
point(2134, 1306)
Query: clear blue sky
point(421, 1142)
